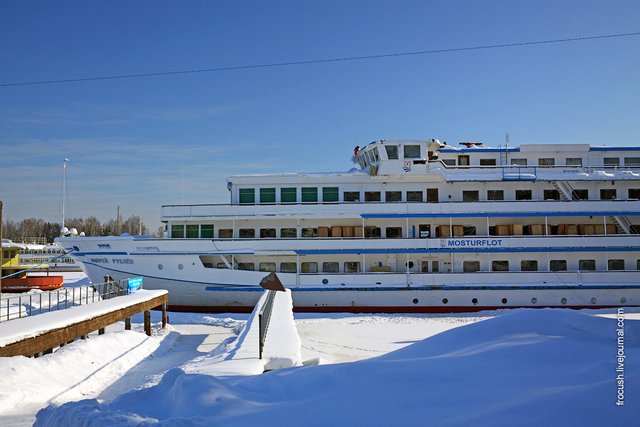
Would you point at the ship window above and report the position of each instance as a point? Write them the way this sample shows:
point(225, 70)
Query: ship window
point(501, 265)
point(634, 193)
point(177, 231)
point(225, 233)
point(587, 264)
point(519, 162)
point(372, 196)
point(352, 267)
point(330, 267)
point(529, 265)
point(376, 155)
point(267, 233)
point(449, 162)
point(371, 231)
point(247, 195)
point(267, 195)
point(222, 266)
point(394, 232)
point(580, 194)
point(487, 162)
point(558, 265)
point(288, 195)
point(616, 264)
point(435, 266)
point(267, 266)
point(393, 196)
point(632, 161)
point(608, 194)
point(414, 196)
point(471, 266)
point(523, 194)
point(309, 195)
point(351, 196)
point(470, 196)
point(573, 161)
point(468, 230)
point(247, 233)
point(329, 194)
point(192, 231)
point(206, 231)
point(392, 152)
point(288, 267)
point(288, 233)
point(546, 162)
point(611, 161)
point(495, 195)
point(309, 267)
point(411, 151)
point(248, 266)
point(551, 194)
point(309, 232)
point(424, 266)
point(638, 264)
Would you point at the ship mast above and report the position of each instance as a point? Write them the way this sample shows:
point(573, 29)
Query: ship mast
point(64, 190)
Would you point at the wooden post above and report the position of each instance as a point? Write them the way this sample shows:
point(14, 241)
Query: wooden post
point(127, 324)
point(164, 315)
point(101, 331)
point(147, 322)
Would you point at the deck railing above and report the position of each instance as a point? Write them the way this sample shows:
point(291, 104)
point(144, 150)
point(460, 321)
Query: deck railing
point(31, 304)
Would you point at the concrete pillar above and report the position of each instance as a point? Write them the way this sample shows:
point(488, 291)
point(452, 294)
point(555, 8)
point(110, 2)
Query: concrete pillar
point(127, 324)
point(147, 322)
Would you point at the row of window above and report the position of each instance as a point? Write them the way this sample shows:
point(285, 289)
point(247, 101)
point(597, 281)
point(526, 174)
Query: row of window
point(310, 195)
point(463, 160)
point(467, 266)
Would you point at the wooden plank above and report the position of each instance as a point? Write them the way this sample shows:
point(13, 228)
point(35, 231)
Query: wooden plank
point(56, 337)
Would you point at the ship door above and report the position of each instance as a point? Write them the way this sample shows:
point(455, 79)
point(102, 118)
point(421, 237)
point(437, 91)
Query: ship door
point(424, 231)
point(432, 195)
point(463, 160)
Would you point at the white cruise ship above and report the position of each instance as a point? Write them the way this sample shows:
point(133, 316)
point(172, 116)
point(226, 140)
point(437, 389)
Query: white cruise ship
point(420, 226)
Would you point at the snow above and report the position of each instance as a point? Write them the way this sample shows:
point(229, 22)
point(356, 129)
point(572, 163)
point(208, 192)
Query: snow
point(507, 367)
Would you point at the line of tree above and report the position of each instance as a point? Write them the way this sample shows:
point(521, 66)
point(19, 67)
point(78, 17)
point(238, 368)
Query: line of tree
point(37, 228)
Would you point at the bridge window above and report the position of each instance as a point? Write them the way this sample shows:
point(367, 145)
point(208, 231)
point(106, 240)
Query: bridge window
point(248, 266)
point(225, 233)
point(267, 233)
point(288, 195)
point(580, 194)
point(546, 162)
point(329, 194)
point(247, 195)
point(310, 232)
point(551, 194)
point(411, 151)
point(392, 152)
point(310, 195)
point(587, 264)
point(267, 195)
point(352, 267)
point(632, 161)
point(519, 162)
point(470, 196)
point(192, 231)
point(449, 162)
point(634, 193)
point(206, 231)
point(573, 161)
point(529, 265)
point(487, 162)
point(177, 231)
point(414, 196)
point(394, 232)
point(372, 232)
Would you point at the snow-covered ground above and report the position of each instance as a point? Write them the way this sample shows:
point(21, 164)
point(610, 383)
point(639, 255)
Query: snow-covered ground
point(518, 367)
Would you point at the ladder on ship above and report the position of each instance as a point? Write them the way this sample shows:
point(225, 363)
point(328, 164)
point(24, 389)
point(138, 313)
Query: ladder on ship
point(565, 190)
point(623, 223)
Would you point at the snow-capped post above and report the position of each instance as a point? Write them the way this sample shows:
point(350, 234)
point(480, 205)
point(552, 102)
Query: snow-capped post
point(272, 284)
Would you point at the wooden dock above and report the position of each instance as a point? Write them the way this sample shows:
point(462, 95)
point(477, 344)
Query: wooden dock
point(37, 335)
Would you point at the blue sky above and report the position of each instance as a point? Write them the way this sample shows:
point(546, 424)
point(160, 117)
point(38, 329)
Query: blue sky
point(140, 143)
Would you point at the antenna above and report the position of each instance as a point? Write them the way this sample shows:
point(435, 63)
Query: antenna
point(64, 188)
point(506, 148)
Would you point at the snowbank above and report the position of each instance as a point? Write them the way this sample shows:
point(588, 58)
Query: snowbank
point(529, 367)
